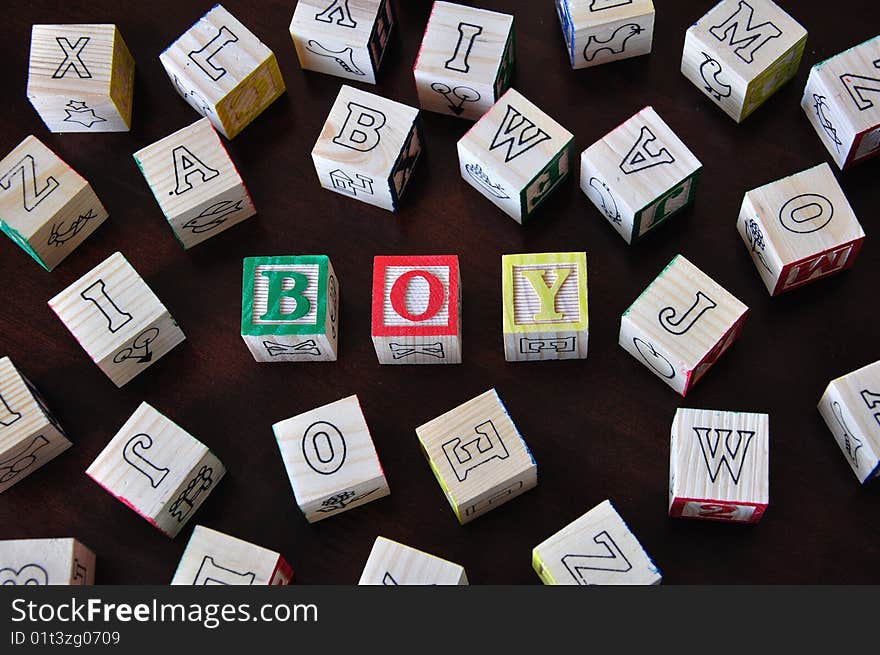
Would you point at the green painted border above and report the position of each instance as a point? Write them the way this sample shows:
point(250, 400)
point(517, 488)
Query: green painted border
point(637, 220)
point(22, 243)
point(523, 201)
point(247, 296)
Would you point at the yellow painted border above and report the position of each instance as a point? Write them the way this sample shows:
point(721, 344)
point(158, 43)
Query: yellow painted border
point(266, 81)
point(529, 259)
point(122, 77)
point(542, 571)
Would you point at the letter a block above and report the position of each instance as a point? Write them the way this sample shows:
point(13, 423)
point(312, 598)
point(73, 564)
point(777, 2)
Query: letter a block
point(195, 183)
point(515, 155)
point(391, 563)
point(223, 71)
point(117, 319)
point(799, 229)
point(330, 459)
point(46, 562)
point(719, 465)
point(639, 174)
point(46, 208)
point(417, 309)
point(596, 549)
point(681, 324)
point(214, 558)
point(29, 435)
point(599, 31)
point(478, 456)
point(157, 469)
point(741, 52)
point(290, 308)
point(544, 306)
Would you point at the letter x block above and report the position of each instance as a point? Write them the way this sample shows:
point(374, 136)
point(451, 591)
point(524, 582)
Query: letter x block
point(851, 408)
point(223, 71)
point(599, 31)
point(799, 229)
point(391, 563)
point(681, 324)
point(741, 52)
point(46, 562)
point(195, 183)
point(46, 208)
point(596, 549)
point(117, 319)
point(544, 306)
point(330, 459)
point(157, 469)
point(214, 558)
point(29, 435)
point(719, 465)
point(515, 155)
point(290, 308)
point(639, 174)
point(478, 456)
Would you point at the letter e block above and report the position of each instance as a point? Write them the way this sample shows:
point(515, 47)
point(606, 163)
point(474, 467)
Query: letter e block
point(25, 562)
point(600, 31)
point(391, 563)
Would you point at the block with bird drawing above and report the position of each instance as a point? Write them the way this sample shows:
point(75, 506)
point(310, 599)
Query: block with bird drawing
point(601, 31)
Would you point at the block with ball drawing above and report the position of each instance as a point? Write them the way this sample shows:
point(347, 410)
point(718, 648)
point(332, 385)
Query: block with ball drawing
point(600, 31)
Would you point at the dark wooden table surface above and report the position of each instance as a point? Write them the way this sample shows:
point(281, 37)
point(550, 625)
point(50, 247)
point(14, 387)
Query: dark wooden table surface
point(598, 428)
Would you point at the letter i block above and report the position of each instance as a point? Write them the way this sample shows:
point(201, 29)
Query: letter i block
point(46, 562)
point(117, 319)
point(544, 306)
point(740, 53)
point(478, 456)
point(290, 308)
point(157, 469)
point(639, 175)
point(417, 309)
point(223, 71)
point(600, 31)
point(45, 206)
point(719, 465)
point(391, 563)
point(799, 229)
point(195, 183)
point(515, 155)
point(330, 459)
point(214, 558)
point(596, 549)
point(465, 61)
point(851, 408)
point(29, 435)
point(681, 324)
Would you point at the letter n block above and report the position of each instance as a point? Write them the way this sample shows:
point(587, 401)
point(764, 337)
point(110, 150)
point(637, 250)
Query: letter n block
point(478, 456)
point(290, 308)
point(544, 306)
point(600, 31)
point(43, 562)
point(159, 470)
point(391, 563)
point(417, 309)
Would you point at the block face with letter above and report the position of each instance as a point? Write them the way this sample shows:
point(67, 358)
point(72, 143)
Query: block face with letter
point(391, 563)
point(41, 562)
point(600, 31)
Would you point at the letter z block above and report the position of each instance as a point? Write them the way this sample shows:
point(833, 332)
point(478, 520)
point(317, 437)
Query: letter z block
point(681, 324)
point(391, 563)
point(600, 31)
point(46, 562)
point(478, 456)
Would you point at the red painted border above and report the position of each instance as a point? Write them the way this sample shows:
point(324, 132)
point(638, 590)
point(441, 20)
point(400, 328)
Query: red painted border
point(856, 248)
point(675, 511)
point(285, 569)
point(857, 141)
point(712, 356)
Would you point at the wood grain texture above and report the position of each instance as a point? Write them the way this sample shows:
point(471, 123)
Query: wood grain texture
point(46, 562)
point(603, 31)
point(391, 563)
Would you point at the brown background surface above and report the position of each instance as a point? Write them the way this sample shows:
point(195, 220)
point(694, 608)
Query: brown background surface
point(598, 428)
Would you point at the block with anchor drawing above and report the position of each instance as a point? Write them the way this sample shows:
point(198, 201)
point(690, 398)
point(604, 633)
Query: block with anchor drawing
point(25, 562)
point(600, 31)
point(391, 563)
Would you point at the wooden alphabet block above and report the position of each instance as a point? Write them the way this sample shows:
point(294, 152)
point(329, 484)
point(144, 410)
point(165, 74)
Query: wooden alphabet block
point(719, 465)
point(681, 324)
point(81, 78)
point(46, 207)
point(346, 38)
point(544, 306)
point(30, 435)
point(46, 562)
point(117, 319)
point(465, 61)
point(851, 408)
point(223, 71)
point(214, 558)
point(195, 183)
point(368, 148)
point(515, 155)
point(596, 549)
point(741, 52)
point(799, 229)
point(639, 175)
point(600, 31)
point(290, 308)
point(478, 456)
point(842, 101)
point(391, 563)
point(159, 470)
point(330, 459)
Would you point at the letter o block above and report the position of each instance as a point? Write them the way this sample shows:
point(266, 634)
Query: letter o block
point(600, 31)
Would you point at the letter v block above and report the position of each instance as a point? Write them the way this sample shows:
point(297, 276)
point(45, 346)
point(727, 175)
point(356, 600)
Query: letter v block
point(719, 465)
point(290, 308)
point(39, 562)
point(391, 563)
point(117, 319)
point(478, 456)
point(600, 31)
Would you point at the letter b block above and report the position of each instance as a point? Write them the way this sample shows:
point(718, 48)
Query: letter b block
point(25, 562)
point(599, 31)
